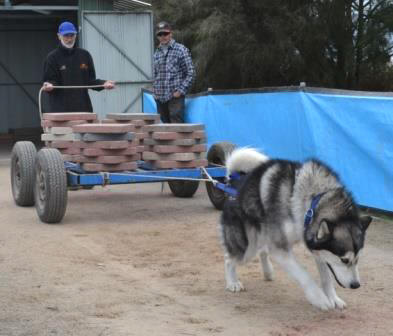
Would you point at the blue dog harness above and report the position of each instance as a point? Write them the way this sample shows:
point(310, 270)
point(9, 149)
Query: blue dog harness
point(310, 212)
point(231, 191)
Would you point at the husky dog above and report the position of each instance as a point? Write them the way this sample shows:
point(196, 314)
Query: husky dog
point(281, 203)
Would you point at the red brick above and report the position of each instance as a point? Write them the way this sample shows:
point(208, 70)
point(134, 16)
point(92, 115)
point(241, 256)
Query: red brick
point(67, 157)
point(105, 144)
point(138, 123)
point(135, 157)
point(97, 167)
point(150, 156)
point(174, 128)
point(111, 121)
point(80, 158)
point(106, 159)
point(58, 130)
point(140, 149)
point(178, 142)
point(70, 151)
point(59, 144)
point(69, 116)
point(113, 159)
point(176, 149)
point(103, 128)
point(141, 135)
point(53, 123)
point(177, 135)
point(101, 151)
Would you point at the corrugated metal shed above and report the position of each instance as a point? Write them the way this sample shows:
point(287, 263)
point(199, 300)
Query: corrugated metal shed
point(130, 5)
point(27, 34)
point(118, 34)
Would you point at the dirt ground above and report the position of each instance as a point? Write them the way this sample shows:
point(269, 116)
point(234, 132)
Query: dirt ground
point(133, 260)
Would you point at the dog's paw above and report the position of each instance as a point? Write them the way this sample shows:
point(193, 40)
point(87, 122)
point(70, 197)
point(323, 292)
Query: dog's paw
point(235, 287)
point(318, 299)
point(337, 302)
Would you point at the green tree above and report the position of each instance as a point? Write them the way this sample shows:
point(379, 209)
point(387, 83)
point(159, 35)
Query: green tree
point(258, 43)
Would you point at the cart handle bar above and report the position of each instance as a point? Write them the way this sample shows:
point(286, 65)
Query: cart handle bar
point(64, 87)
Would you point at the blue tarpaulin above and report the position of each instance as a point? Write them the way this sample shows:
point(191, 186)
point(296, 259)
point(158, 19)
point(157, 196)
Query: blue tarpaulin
point(351, 131)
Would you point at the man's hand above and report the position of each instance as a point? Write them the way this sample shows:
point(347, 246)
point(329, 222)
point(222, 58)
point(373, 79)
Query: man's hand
point(47, 86)
point(177, 94)
point(109, 85)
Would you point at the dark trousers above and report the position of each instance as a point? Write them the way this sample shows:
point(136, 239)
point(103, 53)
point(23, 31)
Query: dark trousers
point(172, 111)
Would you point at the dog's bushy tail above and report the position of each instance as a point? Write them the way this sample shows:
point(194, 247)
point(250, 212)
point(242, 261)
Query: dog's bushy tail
point(244, 160)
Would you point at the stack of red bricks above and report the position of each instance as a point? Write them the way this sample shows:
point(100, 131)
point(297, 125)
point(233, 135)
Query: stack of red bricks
point(58, 132)
point(97, 147)
point(138, 120)
point(175, 146)
point(106, 147)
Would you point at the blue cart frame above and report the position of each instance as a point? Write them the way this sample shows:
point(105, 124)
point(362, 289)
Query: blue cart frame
point(77, 177)
point(43, 178)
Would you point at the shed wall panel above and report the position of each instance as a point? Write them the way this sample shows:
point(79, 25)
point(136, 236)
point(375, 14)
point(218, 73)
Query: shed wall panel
point(121, 46)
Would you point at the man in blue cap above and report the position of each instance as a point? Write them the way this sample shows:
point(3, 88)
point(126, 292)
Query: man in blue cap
point(69, 65)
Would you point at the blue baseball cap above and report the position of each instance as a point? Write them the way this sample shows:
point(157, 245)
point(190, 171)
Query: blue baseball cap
point(67, 28)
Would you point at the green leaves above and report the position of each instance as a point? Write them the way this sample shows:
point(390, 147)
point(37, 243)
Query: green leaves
point(248, 43)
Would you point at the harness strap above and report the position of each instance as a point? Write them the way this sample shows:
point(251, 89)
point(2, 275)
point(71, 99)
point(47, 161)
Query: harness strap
point(310, 212)
point(229, 190)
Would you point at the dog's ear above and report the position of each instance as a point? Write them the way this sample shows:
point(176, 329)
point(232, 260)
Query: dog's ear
point(325, 230)
point(365, 222)
point(315, 240)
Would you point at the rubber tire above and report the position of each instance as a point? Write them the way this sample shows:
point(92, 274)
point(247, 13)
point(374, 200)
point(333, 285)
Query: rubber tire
point(23, 158)
point(182, 188)
point(50, 191)
point(217, 155)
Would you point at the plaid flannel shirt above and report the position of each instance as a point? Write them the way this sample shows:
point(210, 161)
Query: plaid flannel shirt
point(173, 71)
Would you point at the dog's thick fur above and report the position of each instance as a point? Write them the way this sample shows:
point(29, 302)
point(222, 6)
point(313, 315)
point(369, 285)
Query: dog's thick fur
point(267, 219)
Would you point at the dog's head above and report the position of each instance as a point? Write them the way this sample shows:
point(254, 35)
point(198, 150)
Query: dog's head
point(338, 244)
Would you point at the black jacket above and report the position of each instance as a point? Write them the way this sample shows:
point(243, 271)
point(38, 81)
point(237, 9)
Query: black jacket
point(70, 67)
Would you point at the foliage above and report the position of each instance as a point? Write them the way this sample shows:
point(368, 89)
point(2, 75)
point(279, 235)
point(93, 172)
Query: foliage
point(257, 43)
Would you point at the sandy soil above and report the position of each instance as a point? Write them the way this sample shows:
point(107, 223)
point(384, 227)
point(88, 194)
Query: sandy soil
point(133, 260)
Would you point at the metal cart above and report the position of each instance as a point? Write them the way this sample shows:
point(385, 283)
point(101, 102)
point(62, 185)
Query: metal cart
point(43, 178)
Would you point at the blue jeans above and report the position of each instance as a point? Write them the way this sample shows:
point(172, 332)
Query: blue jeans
point(171, 111)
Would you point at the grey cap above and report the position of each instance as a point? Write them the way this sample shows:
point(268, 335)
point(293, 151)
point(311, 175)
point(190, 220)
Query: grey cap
point(163, 26)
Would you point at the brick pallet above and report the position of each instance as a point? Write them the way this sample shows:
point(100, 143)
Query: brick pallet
point(175, 146)
point(139, 120)
point(106, 147)
point(97, 147)
point(58, 131)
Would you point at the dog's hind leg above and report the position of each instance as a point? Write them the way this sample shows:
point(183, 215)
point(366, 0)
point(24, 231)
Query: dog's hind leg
point(232, 282)
point(267, 266)
point(313, 293)
point(327, 283)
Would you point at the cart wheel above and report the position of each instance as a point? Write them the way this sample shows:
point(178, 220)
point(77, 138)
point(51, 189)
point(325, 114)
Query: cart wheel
point(50, 191)
point(182, 188)
point(217, 155)
point(23, 158)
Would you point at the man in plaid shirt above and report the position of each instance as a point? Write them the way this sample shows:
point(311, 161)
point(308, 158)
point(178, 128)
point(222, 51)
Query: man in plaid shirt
point(173, 75)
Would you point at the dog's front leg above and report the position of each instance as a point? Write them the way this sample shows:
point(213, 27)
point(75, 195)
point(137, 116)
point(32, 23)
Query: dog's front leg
point(327, 283)
point(313, 293)
point(233, 284)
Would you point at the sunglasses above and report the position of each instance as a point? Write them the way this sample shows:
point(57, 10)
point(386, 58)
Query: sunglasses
point(163, 34)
